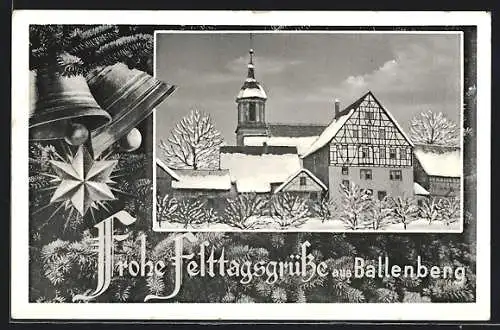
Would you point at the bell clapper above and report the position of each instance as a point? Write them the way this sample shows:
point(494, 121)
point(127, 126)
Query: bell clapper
point(132, 141)
point(76, 134)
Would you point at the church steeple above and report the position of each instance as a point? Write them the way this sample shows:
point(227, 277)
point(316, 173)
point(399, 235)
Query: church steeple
point(251, 102)
point(251, 68)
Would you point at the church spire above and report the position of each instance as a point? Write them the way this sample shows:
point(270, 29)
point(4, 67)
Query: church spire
point(251, 68)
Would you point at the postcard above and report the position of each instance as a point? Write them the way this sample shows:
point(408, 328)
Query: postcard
point(259, 165)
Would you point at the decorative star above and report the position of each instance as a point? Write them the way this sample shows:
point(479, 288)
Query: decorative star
point(84, 181)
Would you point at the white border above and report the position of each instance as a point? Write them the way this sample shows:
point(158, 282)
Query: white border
point(22, 309)
point(157, 226)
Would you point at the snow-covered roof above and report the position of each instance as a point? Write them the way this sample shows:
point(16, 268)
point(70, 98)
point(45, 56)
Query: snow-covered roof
point(167, 169)
point(439, 161)
point(255, 168)
point(328, 134)
point(294, 175)
point(202, 179)
point(339, 121)
point(256, 91)
point(302, 143)
point(419, 190)
point(248, 185)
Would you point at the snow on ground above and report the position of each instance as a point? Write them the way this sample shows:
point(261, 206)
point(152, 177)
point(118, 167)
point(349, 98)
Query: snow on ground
point(317, 225)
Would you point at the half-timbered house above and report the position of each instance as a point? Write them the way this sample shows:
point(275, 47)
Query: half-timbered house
point(363, 144)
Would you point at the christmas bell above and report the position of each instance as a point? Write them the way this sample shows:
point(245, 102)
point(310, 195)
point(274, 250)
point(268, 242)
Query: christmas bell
point(128, 95)
point(61, 102)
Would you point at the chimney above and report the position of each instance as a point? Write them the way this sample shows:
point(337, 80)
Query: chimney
point(337, 107)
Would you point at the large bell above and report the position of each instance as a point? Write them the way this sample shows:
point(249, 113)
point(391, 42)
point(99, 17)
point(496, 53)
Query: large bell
point(129, 95)
point(61, 100)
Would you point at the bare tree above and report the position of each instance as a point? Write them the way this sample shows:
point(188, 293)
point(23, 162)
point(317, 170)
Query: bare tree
point(379, 214)
point(354, 205)
point(288, 210)
point(404, 210)
point(240, 210)
point(433, 128)
point(193, 143)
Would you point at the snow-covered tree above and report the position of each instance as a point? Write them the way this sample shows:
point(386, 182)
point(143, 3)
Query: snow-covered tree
point(288, 210)
point(430, 210)
point(450, 210)
point(166, 206)
point(323, 208)
point(379, 214)
point(354, 204)
point(190, 212)
point(404, 210)
point(241, 209)
point(433, 128)
point(193, 143)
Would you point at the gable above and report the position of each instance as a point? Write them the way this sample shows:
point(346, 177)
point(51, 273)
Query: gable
point(303, 180)
point(371, 123)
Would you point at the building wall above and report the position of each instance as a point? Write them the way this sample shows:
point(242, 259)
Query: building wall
point(444, 186)
point(163, 182)
point(380, 180)
point(317, 163)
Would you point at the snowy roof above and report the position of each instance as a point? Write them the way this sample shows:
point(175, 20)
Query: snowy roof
point(202, 179)
point(248, 185)
point(419, 190)
point(255, 168)
point(439, 160)
point(249, 92)
point(329, 132)
point(167, 169)
point(294, 175)
point(295, 130)
point(301, 143)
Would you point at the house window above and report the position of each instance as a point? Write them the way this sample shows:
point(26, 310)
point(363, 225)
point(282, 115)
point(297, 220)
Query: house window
point(369, 115)
point(392, 153)
point(365, 174)
point(369, 192)
point(355, 133)
point(313, 195)
point(395, 175)
point(303, 181)
point(345, 170)
point(345, 183)
point(382, 153)
point(364, 152)
point(381, 133)
point(251, 112)
point(364, 132)
point(381, 195)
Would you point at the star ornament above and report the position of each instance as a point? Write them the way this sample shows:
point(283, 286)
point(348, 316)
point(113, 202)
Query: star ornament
point(83, 181)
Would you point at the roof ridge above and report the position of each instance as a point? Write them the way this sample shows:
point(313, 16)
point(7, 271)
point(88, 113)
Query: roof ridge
point(298, 124)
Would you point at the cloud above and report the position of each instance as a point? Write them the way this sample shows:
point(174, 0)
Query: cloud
point(265, 65)
point(417, 73)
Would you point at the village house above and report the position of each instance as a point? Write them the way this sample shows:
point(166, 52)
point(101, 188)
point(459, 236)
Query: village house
point(438, 170)
point(363, 144)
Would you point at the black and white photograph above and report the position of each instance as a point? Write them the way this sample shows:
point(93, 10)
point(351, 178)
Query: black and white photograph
point(272, 167)
point(308, 131)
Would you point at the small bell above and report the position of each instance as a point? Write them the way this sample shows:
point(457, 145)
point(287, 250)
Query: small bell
point(129, 95)
point(60, 102)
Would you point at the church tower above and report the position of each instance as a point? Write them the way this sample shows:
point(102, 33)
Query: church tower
point(251, 101)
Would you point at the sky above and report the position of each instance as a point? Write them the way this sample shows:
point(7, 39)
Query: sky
point(303, 73)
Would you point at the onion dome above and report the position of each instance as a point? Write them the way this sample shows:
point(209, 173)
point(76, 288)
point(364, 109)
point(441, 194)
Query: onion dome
point(251, 87)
